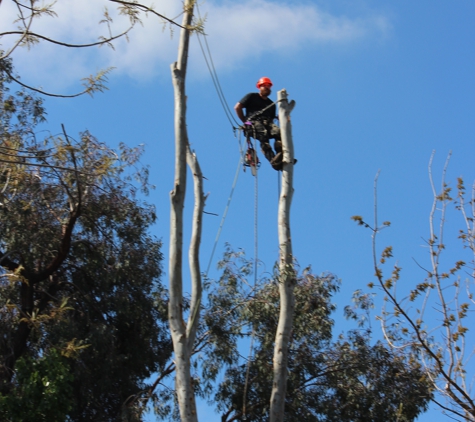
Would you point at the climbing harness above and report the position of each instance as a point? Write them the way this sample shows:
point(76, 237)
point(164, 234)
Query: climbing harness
point(251, 159)
point(257, 114)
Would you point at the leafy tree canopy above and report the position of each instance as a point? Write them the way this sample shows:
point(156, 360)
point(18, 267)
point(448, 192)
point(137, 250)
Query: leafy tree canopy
point(347, 379)
point(82, 321)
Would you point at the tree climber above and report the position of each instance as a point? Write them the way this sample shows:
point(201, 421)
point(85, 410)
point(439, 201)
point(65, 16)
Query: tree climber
point(259, 121)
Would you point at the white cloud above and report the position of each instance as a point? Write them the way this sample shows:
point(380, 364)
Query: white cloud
point(258, 27)
point(236, 30)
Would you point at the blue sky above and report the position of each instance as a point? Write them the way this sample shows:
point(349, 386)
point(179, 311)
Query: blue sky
point(379, 85)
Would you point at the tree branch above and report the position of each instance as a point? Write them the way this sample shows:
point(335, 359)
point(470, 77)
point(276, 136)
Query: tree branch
point(147, 9)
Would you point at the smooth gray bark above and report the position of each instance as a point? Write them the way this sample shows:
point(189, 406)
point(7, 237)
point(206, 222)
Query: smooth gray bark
point(286, 268)
point(183, 335)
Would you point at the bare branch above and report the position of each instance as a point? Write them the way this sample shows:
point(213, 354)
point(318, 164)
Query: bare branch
point(130, 6)
point(443, 363)
point(103, 41)
point(93, 84)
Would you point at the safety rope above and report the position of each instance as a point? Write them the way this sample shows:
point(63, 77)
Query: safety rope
point(236, 176)
point(256, 251)
point(256, 203)
point(244, 417)
point(232, 120)
point(226, 209)
point(214, 76)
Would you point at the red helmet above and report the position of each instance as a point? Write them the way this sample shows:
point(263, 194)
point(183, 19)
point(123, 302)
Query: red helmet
point(262, 81)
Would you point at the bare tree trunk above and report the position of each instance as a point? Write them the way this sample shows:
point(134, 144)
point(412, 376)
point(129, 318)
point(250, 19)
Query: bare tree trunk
point(286, 269)
point(183, 335)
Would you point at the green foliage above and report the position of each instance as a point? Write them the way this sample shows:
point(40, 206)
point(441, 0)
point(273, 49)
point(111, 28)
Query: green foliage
point(349, 379)
point(370, 383)
point(42, 392)
point(82, 311)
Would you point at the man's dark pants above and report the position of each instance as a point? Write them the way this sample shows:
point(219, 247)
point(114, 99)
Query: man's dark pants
point(263, 131)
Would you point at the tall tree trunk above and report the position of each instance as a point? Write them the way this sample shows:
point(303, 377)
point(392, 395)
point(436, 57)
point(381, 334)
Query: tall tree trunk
point(183, 334)
point(286, 268)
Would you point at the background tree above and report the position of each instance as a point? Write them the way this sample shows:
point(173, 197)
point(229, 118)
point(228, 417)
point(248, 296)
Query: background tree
point(347, 379)
point(82, 308)
point(430, 323)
